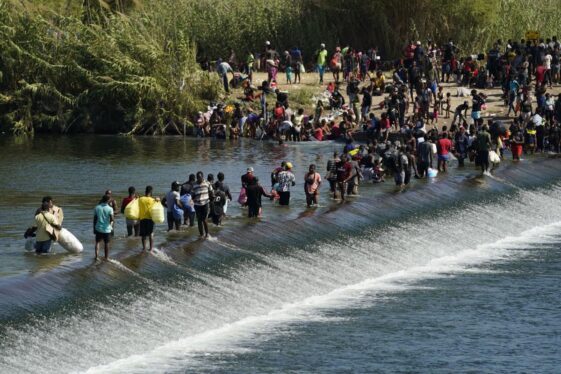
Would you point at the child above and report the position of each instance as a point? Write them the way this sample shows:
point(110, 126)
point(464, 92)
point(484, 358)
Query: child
point(378, 172)
point(440, 98)
point(288, 75)
point(434, 116)
point(448, 104)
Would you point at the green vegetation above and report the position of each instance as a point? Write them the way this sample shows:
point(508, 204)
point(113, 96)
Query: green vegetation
point(129, 66)
point(110, 74)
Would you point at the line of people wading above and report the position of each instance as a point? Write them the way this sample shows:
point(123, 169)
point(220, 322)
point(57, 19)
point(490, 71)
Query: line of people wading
point(415, 145)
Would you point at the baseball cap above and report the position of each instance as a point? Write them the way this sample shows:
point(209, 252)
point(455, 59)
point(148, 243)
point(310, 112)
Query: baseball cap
point(250, 170)
point(288, 165)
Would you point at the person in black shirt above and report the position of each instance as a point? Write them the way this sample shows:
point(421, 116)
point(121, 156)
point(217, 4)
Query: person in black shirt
point(254, 193)
point(460, 112)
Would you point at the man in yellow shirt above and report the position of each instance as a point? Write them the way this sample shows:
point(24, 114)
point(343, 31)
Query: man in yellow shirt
point(321, 61)
point(45, 223)
point(145, 204)
point(56, 211)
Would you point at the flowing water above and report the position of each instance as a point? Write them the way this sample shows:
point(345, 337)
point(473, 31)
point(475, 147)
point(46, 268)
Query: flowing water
point(457, 275)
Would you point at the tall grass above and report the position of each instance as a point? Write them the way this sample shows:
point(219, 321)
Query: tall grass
point(129, 66)
point(128, 74)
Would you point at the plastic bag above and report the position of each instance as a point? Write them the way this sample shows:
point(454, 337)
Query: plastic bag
point(157, 213)
point(30, 244)
point(494, 157)
point(242, 198)
point(432, 173)
point(132, 210)
point(177, 212)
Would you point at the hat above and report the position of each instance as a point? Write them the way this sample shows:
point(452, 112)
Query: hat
point(267, 43)
point(322, 45)
point(250, 169)
point(288, 165)
point(418, 42)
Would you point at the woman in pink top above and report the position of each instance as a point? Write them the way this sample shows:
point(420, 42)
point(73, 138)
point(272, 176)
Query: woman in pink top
point(312, 181)
point(443, 147)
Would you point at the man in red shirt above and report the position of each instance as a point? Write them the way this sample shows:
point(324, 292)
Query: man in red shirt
point(344, 170)
point(443, 147)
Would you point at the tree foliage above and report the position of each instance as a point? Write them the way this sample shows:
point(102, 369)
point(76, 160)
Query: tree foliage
point(129, 65)
point(125, 74)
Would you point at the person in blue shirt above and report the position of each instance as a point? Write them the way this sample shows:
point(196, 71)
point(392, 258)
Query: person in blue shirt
point(103, 225)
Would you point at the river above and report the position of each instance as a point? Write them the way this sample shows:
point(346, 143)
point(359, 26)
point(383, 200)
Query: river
point(458, 274)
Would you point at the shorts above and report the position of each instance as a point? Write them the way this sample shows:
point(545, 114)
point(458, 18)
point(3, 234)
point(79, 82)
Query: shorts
point(202, 212)
point(146, 227)
point(43, 247)
point(99, 236)
point(445, 157)
point(131, 222)
point(476, 115)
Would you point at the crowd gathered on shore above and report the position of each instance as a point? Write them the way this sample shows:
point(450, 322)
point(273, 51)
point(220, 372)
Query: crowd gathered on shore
point(405, 141)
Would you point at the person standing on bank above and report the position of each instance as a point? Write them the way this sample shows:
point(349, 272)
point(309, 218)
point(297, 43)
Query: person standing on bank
point(202, 194)
point(104, 218)
point(285, 180)
point(145, 204)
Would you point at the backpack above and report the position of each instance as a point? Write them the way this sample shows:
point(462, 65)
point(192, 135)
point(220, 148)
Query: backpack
point(218, 203)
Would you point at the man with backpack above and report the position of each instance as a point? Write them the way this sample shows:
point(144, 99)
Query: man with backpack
point(217, 205)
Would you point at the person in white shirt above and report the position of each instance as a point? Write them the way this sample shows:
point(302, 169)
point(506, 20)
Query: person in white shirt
point(547, 65)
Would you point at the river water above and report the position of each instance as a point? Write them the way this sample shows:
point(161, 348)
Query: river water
point(459, 274)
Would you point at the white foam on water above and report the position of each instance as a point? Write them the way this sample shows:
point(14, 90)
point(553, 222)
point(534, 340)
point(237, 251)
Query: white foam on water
point(168, 327)
point(163, 257)
point(224, 339)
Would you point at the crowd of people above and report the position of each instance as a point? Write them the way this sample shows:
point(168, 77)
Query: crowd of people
point(413, 100)
point(403, 142)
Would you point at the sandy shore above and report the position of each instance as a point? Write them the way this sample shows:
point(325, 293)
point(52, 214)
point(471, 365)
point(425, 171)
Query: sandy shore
point(310, 83)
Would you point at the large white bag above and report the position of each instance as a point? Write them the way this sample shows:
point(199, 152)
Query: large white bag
point(494, 157)
point(68, 241)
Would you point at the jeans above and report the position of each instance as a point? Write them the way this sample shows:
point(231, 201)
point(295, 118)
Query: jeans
point(225, 81)
point(43, 247)
point(321, 71)
point(173, 222)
